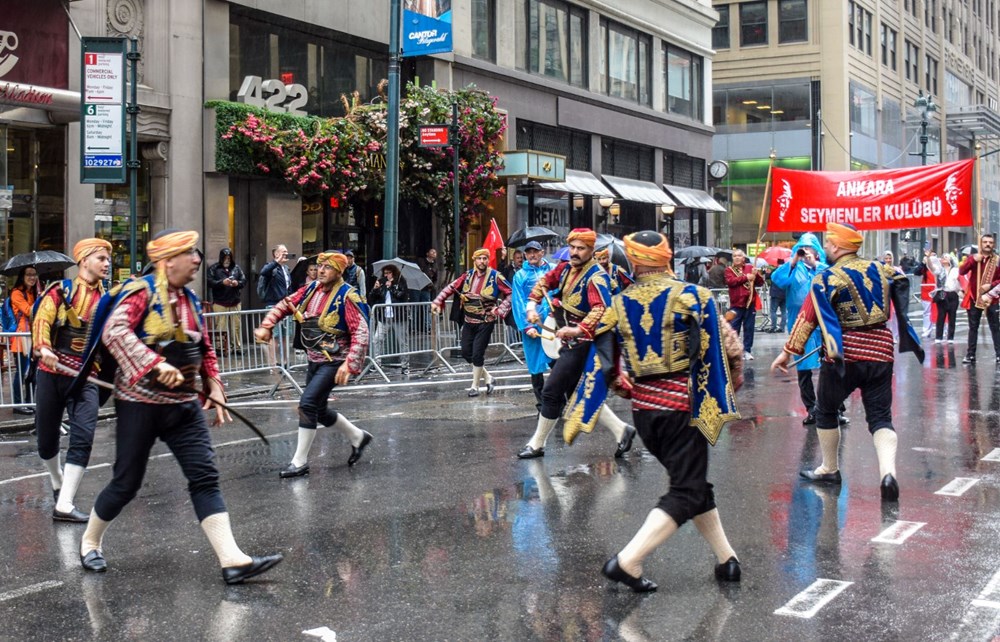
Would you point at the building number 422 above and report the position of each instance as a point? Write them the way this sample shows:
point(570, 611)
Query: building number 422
point(272, 95)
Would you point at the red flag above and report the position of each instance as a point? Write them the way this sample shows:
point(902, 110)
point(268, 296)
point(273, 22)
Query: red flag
point(889, 199)
point(493, 242)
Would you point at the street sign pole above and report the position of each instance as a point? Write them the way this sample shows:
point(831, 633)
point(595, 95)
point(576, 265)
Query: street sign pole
point(390, 245)
point(133, 154)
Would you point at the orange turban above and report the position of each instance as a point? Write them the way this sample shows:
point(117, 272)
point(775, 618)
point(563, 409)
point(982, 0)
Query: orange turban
point(336, 260)
point(481, 252)
point(585, 235)
point(846, 237)
point(86, 247)
point(170, 243)
point(601, 254)
point(640, 252)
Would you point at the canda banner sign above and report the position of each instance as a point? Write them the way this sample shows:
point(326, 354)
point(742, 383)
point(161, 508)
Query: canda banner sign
point(891, 199)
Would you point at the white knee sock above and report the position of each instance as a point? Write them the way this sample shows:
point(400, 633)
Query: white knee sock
point(885, 448)
point(542, 430)
point(352, 432)
point(55, 472)
point(477, 375)
point(487, 377)
point(72, 476)
point(710, 527)
point(306, 436)
point(220, 535)
point(653, 532)
point(94, 535)
point(611, 421)
point(829, 444)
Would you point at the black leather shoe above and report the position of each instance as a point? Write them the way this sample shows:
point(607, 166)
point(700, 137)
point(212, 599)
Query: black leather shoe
point(75, 516)
point(294, 471)
point(530, 453)
point(810, 419)
point(94, 561)
point(842, 420)
point(490, 387)
point(827, 478)
point(613, 571)
point(473, 392)
point(969, 358)
point(889, 488)
point(728, 571)
point(55, 495)
point(24, 411)
point(625, 444)
point(360, 448)
point(238, 574)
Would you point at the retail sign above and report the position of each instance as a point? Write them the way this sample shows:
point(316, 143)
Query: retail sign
point(434, 136)
point(102, 111)
point(891, 199)
point(426, 29)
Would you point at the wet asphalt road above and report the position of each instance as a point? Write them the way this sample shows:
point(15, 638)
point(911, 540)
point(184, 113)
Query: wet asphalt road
point(439, 533)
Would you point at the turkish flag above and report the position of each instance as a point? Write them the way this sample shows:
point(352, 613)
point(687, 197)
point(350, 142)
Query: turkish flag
point(493, 242)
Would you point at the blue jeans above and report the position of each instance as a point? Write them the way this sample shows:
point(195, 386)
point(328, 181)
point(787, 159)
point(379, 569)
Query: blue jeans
point(777, 306)
point(743, 324)
point(313, 406)
point(21, 389)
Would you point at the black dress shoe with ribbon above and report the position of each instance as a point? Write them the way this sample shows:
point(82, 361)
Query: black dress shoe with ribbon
point(490, 387)
point(94, 561)
point(827, 478)
point(294, 471)
point(530, 453)
point(969, 358)
point(613, 571)
point(473, 392)
point(258, 565)
point(728, 571)
point(75, 516)
point(889, 488)
point(842, 419)
point(810, 419)
point(360, 448)
point(625, 444)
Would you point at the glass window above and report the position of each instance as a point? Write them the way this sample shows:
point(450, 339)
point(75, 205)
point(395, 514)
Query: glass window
point(931, 74)
point(555, 37)
point(863, 110)
point(792, 24)
point(684, 82)
point(753, 23)
point(484, 42)
point(892, 124)
point(720, 32)
point(888, 37)
point(625, 72)
point(911, 60)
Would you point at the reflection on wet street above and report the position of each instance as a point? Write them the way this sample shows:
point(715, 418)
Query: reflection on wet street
point(440, 533)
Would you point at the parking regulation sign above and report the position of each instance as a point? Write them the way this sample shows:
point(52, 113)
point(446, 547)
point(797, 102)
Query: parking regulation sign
point(102, 111)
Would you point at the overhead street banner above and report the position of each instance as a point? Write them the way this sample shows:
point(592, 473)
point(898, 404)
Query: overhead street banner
point(102, 111)
point(888, 199)
point(426, 27)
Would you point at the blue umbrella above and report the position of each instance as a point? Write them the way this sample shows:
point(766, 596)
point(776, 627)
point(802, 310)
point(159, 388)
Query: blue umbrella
point(562, 254)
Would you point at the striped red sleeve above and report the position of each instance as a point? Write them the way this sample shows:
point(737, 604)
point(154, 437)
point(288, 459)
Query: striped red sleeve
point(134, 358)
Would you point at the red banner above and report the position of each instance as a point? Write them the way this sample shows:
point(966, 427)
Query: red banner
point(888, 199)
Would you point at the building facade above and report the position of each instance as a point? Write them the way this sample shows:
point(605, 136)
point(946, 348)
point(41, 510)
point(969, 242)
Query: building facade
point(843, 85)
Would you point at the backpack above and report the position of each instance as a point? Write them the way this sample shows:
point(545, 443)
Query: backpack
point(262, 283)
point(8, 319)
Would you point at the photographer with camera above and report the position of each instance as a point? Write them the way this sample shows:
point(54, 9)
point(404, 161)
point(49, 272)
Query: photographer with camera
point(391, 288)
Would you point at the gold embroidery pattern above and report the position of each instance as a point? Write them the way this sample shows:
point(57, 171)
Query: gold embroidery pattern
point(573, 419)
point(671, 353)
point(853, 313)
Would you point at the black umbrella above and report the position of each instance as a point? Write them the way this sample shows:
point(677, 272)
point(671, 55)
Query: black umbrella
point(698, 251)
point(616, 250)
point(538, 233)
point(41, 260)
point(968, 249)
point(299, 272)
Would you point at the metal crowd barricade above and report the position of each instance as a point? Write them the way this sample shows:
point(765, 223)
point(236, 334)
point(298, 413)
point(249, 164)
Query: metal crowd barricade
point(238, 353)
point(14, 370)
point(399, 331)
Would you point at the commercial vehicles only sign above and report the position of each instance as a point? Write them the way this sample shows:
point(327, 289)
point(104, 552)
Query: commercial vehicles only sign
point(102, 117)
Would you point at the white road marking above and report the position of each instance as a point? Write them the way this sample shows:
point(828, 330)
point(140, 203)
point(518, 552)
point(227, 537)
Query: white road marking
point(994, 455)
point(958, 486)
point(323, 633)
point(28, 590)
point(990, 604)
point(899, 532)
point(808, 603)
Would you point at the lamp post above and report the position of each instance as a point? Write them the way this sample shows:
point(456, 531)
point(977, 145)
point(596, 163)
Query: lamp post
point(605, 202)
point(926, 105)
point(667, 216)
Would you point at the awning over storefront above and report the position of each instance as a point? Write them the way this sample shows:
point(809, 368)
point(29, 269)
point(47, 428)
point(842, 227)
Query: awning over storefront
point(639, 191)
point(578, 182)
point(694, 198)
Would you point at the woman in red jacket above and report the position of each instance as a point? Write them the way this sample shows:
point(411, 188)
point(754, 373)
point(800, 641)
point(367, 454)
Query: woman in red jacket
point(22, 298)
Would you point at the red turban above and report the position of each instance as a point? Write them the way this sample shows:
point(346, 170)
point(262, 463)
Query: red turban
point(585, 235)
point(336, 260)
point(844, 237)
point(648, 255)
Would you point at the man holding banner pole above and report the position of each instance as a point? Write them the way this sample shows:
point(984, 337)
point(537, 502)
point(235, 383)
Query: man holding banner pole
point(981, 269)
point(850, 304)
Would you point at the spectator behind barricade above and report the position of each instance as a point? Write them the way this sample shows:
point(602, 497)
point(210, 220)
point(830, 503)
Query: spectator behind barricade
point(391, 289)
point(717, 273)
point(927, 272)
point(226, 281)
point(777, 303)
point(312, 273)
point(22, 298)
point(428, 265)
point(946, 296)
point(695, 272)
point(907, 264)
point(515, 264)
point(354, 275)
point(277, 280)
